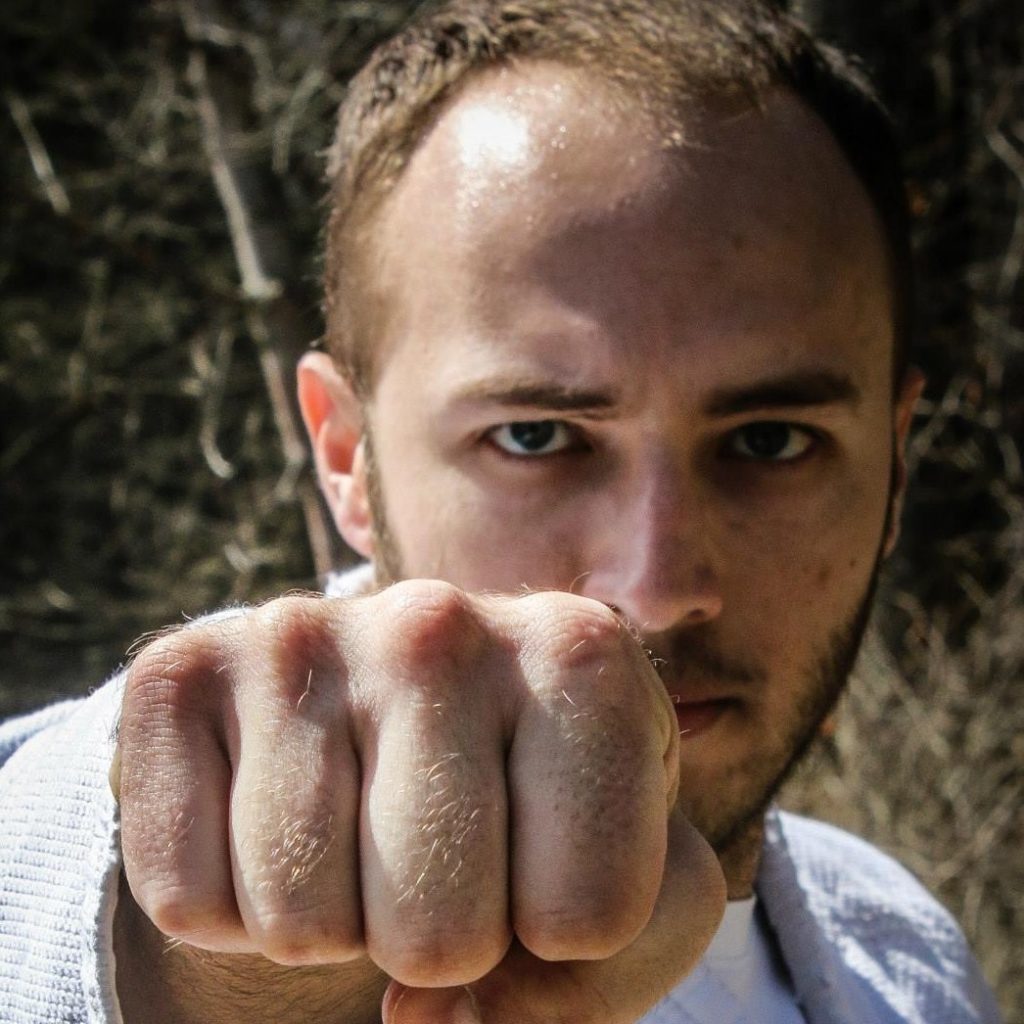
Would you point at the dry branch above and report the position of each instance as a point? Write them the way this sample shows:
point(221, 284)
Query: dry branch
point(278, 335)
point(37, 153)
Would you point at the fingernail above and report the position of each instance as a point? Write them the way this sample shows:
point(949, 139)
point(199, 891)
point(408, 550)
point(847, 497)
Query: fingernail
point(466, 1010)
point(430, 1006)
point(389, 1007)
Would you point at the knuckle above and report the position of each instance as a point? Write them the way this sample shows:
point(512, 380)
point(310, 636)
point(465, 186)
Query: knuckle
point(162, 659)
point(291, 620)
point(169, 674)
point(299, 638)
point(448, 957)
point(177, 911)
point(596, 930)
point(575, 633)
point(429, 609)
point(433, 630)
point(309, 937)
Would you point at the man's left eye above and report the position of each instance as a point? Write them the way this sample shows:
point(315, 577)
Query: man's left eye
point(532, 437)
point(771, 441)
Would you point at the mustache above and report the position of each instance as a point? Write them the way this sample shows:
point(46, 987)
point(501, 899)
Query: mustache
point(682, 655)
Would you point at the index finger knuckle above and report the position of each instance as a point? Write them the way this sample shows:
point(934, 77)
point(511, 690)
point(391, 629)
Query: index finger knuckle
point(575, 634)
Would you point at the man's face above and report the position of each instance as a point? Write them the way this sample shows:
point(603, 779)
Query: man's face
point(658, 377)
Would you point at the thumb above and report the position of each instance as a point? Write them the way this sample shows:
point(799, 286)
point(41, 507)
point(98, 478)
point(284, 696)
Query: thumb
point(403, 1005)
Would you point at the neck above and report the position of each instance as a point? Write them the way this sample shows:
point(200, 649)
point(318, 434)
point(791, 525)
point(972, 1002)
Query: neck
point(740, 859)
point(163, 982)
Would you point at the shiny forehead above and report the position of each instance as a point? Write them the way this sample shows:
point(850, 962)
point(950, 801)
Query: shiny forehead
point(514, 119)
point(536, 151)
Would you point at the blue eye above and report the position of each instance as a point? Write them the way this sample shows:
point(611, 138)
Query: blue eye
point(532, 437)
point(771, 441)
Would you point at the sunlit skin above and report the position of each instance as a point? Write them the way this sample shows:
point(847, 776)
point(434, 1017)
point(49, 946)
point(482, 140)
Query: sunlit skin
point(657, 376)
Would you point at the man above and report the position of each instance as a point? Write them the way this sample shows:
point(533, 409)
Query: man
point(614, 402)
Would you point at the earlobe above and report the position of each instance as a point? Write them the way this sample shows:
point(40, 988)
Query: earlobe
point(333, 419)
point(351, 504)
point(903, 416)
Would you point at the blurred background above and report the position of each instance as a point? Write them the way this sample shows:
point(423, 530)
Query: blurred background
point(159, 276)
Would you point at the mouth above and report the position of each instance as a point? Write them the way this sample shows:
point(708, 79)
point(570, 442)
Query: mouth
point(696, 717)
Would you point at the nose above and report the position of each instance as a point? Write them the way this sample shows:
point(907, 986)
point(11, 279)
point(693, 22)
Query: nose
point(656, 562)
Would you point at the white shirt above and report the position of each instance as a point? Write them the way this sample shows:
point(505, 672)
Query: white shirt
point(740, 980)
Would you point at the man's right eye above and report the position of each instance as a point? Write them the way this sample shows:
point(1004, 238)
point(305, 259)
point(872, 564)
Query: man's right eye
point(531, 438)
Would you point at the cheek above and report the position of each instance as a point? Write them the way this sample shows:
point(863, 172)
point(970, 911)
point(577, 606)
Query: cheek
point(805, 568)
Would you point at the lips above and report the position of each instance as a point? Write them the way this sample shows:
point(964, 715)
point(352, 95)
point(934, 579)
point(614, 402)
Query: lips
point(698, 716)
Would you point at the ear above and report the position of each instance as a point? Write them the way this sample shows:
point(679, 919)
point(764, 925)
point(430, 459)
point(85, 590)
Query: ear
point(903, 415)
point(334, 422)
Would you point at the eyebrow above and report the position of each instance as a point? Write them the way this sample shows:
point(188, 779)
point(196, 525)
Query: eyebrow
point(552, 396)
point(796, 390)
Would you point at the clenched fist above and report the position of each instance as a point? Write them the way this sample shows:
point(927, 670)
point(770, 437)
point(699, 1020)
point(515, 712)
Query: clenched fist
point(472, 794)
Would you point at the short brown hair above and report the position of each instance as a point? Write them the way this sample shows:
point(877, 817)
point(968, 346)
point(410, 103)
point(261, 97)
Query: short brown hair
point(661, 53)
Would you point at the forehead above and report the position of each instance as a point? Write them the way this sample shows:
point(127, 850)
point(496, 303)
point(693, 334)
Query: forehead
point(540, 183)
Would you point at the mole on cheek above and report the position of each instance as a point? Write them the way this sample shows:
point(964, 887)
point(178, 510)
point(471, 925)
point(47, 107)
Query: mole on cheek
point(824, 574)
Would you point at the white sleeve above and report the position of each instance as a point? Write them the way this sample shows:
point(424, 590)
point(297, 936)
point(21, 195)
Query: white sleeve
point(59, 863)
